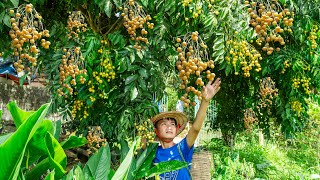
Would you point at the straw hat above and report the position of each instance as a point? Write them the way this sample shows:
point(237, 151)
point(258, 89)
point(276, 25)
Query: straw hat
point(181, 119)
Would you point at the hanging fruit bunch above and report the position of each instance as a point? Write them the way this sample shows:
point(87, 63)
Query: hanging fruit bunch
point(270, 20)
point(27, 34)
point(305, 83)
point(193, 65)
point(95, 139)
point(76, 24)
point(71, 71)
point(243, 57)
point(296, 106)
point(136, 22)
point(145, 131)
point(78, 107)
point(267, 92)
point(313, 36)
point(102, 75)
point(194, 9)
point(286, 65)
point(249, 119)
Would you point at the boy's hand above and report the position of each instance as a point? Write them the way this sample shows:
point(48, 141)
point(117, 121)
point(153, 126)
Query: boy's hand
point(210, 90)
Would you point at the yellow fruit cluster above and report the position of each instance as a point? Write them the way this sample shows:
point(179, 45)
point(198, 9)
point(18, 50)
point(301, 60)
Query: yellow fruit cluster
point(95, 139)
point(27, 30)
point(286, 65)
point(305, 83)
point(313, 36)
point(296, 83)
point(145, 131)
point(77, 105)
point(296, 106)
point(196, 7)
point(76, 24)
point(106, 73)
point(244, 53)
point(267, 91)
point(270, 20)
point(69, 67)
point(249, 118)
point(134, 19)
point(193, 63)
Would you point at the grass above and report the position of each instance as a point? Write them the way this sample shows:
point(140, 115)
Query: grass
point(273, 160)
point(277, 158)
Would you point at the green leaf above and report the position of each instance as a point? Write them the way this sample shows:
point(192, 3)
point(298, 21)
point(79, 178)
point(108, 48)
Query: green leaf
point(15, 3)
point(142, 84)
point(50, 176)
point(0, 115)
point(57, 129)
point(122, 65)
point(22, 79)
point(163, 167)
point(98, 166)
point(6, 20)
point(210, 21)
point(37, 144)
point(117, 2)
point(124, 149)
point(3, 138)
point(143, 72)
point(228, 70)
point(108, 8)
point(133, 67)
point(265, 71)
point(56, 159)
point(11, 152)
point(18, 115)
point(2, 15)
point(283, 1)
point(139, 54)
point(69, 175)
point(73, 141)
point(78, 173)
point(134, 94)
point(144, 3)
point(145, 160)
point(122, 171)
point(130, 79)
point(57, 156)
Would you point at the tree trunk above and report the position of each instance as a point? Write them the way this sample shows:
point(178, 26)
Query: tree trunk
point(261, 139)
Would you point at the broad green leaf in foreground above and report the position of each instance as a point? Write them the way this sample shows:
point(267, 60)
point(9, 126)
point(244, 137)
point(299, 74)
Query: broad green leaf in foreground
point(56, 159)
point(73, 141)
point(123, 170)
point(144, 161)
point(11, 152)
point(3, 138)
point(98, 166)
point(18, 115)
point(164, 167)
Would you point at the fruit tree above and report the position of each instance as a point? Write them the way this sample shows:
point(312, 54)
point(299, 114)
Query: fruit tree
point(104, 60)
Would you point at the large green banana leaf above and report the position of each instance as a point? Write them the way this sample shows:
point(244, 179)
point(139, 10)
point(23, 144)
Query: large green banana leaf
point(13, 149)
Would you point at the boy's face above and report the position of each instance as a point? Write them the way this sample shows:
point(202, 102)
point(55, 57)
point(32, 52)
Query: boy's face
point(166, 129)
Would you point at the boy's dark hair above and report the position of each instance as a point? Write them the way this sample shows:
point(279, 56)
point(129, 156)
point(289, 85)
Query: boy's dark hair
point(175, 122)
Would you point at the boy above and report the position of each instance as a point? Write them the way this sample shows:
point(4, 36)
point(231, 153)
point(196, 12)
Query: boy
point(169, 124)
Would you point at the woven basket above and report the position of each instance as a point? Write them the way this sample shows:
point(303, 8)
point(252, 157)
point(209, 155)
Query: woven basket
point(201, 165)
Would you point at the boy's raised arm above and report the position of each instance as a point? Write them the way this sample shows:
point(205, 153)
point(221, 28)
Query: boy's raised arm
point(207, 94)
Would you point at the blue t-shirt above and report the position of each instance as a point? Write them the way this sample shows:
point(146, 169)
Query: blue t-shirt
point(172, 153)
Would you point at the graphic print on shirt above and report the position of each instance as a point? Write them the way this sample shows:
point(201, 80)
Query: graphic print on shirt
point(170, 175)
